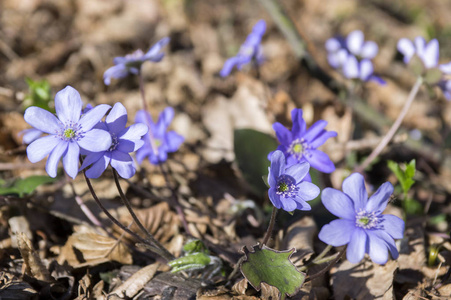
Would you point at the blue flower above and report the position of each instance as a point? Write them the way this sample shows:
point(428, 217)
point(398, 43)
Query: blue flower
point(131, 63)
point(250, 50)
point(362, 226)
point(124, 140)
point(30, 135)
point(288, 189)
point(67, 133)
point(300, 143)
point(353, 56)
point(157, 142)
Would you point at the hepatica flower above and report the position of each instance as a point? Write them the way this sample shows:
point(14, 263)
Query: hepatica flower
point(131, 63)
point(124, 140)
point(158, 142)
point(288, 190)
point(299, 144)
point(362, 226)
point(353, 56)
point(67, 133)
point(429, 68)
point(250, 50)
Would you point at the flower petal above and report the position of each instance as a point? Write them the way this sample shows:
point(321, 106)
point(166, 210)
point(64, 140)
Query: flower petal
point(283, 134)
point(68, 105)
point(298, 171)
point(354, 42)
point(153, 53)
point(116, 72)
point(142, 153)
point(40, 148)
point(357, 245)
point(301, 204)
point(332, 45)
point(277, 167)
point(116, 119)
point(308, 191)
point(42, 120)
point(366, 69)
point(379, 200)
point(288, 204)
point(320, 161)
point(322, 138)
point(30, 135)
point(351, 67)
point(337, 233)
point(134, 132)
point(52, 162)
point(354, 187)
point(338, 203)
point(406, 47)
point(98, 167)
point(70, 160)
point(314, 130)
point(123, 164)
point(164, 120)
point(299, 124)
point(91, 158)
point(377, 248)
point(445, 68)
point(431, 54)
point(275, 199)
point(93, 116)
point(228, 66)
point(393, 225)
point(369, 50)
point(172, 141)
point(95, 140)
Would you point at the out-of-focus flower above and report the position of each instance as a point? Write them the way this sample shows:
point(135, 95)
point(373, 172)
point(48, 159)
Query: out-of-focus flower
point(131, 63)
point(124, 140)
point(158, 142)
point(300, 143)
point(288, 189)
point(67, 133)
point(353, 56)
point(362, 226)
point(250, 50)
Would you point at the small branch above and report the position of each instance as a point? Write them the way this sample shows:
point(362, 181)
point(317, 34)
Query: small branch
point(393, 129)
point(329, 266)
point(268, 233)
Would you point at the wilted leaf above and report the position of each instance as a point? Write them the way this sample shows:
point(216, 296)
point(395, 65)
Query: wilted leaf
point(300, 236)
point(12, 288)
point(33, 264)
point(136, 282)
point(274, 268)
point(251, 151)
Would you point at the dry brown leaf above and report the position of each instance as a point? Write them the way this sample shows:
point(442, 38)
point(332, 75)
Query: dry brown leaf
point(32, 262)
point(300, 235)
point(136, 282)
point(14, 289)
point(269, 292)
point(240, 287)
point(365, 280)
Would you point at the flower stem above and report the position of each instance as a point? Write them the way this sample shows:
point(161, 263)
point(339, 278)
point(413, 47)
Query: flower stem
point(141, 90)
point(116, 222)
point(335, 258)
point(387, 138)
point(272, 221)
point(126, 202)
point(319, 259)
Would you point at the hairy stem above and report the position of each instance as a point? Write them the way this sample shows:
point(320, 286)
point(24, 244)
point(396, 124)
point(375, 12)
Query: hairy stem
point(335, 258)
point(268, 233)
point(150, 237)
point(387, 138)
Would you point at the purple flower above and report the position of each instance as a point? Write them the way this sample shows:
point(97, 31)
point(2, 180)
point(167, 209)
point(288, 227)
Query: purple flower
point(300, 143)
point(288, 189)
point(353, 56)
point(157, 142)
point(131, 63)
point(362, 226)
point(67, 133)
point(250, 50)
point(30, 135)
point(124, 140)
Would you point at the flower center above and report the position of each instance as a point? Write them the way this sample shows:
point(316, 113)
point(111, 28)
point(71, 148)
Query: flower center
point(157, 142)
point(367, 220)
point(286, 186)
point(114, 142)
point(297, 148)
point(71, 132)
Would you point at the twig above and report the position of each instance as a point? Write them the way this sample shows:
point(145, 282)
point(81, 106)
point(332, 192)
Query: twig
point(272, 221)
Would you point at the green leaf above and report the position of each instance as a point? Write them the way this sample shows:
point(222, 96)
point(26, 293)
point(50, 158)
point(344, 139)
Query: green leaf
point(274, 268)
point(416, 65)
point(25, 186)
point(39, 94)
point(433, 76)
point(405, 175)
point(251, 151)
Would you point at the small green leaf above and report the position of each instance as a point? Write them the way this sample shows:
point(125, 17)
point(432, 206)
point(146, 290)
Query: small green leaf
point(274, 268)
point(251, 151)
point(405, 176)
point(25, 186)
point(416, 65)
point(39, 94)
point(433, 76)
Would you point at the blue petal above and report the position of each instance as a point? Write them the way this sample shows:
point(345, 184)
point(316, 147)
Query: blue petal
point(116, 119)
point(299, 125)
point(369, 50)
point(302, 205)
point(142, 116)
point(68, 105)
point(393, 225)
point(445, 68)
point(173, 141)
point(314, 130)
point(357, 245)
point(351, 67)
point(116, 72)
point(366, 69)
point(338, 203)
point(275, 199)
point(377, 248)
point(91, 158)
point(93, 116)
point(354, 42)
point(70, 160)
point(379, 200)
point(283, 134)
point(389, 242)
point(406, 47)
point(42, 120)
point(259, 27)
point(298, 171)
point(332, 45)
point(40, 148)
point(98, 167)
point(288, 204)
point(164, 120)
point(95, 140)
point(134, 132)
point(337, 233)
point(322, 138)
point(123, 164)
point(52, 162)
point(228, 66)
point(277, 167)
point(153, 53)
point(320, 161)
point(142, 153)
point(431, 54)
point(354, 187)
point(30, 135)
point(308, 191)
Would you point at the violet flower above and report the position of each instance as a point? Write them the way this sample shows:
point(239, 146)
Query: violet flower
point(299, 144)
point(131, 63)
point(250, 50)
point(67, 133)
point(157, 142)
point(288, 188)
point(124, 140)
point(362, 226)
point(30, 135)
point(353, 56)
